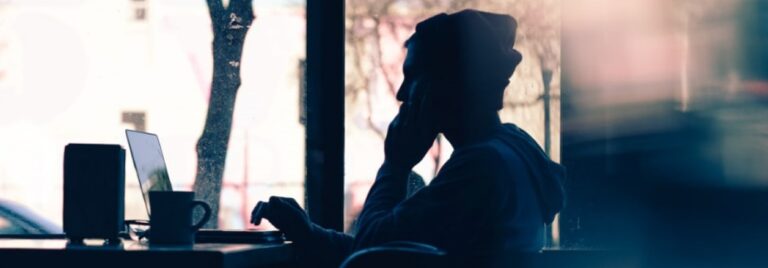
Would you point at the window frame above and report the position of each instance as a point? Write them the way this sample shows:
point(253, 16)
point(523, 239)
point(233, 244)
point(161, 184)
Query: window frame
point(324, 161)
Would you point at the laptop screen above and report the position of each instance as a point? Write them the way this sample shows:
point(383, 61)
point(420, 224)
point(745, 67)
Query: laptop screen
point(149, 163)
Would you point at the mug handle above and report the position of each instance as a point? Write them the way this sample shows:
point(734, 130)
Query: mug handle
point(206, 215)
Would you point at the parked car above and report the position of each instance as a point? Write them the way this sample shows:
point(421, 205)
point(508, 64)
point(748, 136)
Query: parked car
point(16, 219)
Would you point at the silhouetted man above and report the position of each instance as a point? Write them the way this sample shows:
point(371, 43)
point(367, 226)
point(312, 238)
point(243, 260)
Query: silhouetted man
point(498, 189)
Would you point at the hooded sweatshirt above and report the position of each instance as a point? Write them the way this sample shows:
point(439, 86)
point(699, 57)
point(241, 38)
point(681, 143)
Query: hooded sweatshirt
point(492, 196)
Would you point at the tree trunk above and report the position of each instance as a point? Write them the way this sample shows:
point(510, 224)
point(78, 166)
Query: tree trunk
point(230, 26)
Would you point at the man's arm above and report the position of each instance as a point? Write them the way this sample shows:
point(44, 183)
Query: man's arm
point(326, 247)
point(315, 245)
point(466, 193)
point(387, 192)
point(389, 189)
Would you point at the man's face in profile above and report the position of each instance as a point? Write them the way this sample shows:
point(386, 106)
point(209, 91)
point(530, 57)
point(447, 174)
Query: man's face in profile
point(411, 75)
point(416, 91)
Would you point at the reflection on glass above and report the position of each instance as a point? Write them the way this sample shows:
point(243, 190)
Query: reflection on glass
point(665, 95)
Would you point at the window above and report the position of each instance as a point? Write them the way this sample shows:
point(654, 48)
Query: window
point(375, 33)
point(665, 100)
point(84, 70)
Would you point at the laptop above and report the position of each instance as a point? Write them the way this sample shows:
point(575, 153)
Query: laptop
point(153, 176)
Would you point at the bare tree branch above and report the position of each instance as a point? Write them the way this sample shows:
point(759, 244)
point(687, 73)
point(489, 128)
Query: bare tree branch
point(215, 11)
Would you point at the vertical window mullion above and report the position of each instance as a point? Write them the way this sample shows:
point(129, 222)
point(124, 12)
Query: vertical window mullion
point(325, 113)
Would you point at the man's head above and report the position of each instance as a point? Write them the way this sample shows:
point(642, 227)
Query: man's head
point(458, 66)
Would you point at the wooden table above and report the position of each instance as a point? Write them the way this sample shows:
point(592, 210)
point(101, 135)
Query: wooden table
point(57, 253)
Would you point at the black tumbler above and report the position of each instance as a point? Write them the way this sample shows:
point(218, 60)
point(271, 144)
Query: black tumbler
point(171, 217)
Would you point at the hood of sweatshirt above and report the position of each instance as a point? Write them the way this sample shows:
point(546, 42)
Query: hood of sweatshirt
point(546, 175)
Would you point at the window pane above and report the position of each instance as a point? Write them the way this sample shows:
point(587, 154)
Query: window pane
point(85, 70)
point(376, 31)
point(665, 100)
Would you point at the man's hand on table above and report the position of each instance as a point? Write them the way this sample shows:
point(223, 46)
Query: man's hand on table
point(285, 214)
